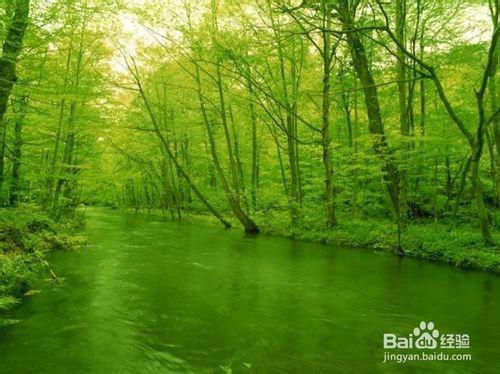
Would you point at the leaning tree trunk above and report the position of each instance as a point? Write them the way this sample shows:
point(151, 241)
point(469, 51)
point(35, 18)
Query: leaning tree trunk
point(375, 125)
point(390, 170)
point(168, 150)
point(248, 224)
point(232, 193)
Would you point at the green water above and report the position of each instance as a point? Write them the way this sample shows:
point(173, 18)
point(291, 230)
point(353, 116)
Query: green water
point(153, 296)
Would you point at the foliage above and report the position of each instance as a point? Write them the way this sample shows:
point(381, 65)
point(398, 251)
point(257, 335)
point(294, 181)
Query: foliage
point(26, 235)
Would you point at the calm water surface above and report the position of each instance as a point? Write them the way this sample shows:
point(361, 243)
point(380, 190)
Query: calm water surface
point(153, 296)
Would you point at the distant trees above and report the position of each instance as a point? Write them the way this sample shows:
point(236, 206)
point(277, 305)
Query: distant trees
point(320, 22)
point(277, 91)
point(311, 112)
point(47, 116)
point(165, 143)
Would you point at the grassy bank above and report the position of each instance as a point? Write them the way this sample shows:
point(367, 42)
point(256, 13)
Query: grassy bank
point(459, 245)
point(456, 244)
point(26, 236)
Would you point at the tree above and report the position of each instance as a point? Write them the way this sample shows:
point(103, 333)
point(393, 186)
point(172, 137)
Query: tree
point(346, 13)
point(11, 49)
point(476, 139)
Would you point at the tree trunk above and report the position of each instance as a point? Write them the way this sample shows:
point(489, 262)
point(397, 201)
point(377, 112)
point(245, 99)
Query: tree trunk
point(477, 190)
point(403, 113)
point(233, 200)
point(133, 70)
point(17, 152)
point(375, 125)
point(390, 172)
point(496, 128)
point(253, 116)
point(290, 107)
point(330, 215)
point(233, 197)
point(63, 170)
point(11, 50)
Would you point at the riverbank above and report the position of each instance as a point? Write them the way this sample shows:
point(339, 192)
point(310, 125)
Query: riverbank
point(452, 243)
point(26, 236)
point(460, 246)
point(457, 245)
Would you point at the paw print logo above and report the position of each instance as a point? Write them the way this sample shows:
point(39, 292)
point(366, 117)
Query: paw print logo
point(426, 336)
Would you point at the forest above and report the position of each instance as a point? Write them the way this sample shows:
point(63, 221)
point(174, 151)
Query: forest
point(370, 124)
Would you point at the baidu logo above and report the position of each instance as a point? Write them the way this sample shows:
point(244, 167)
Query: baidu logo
point(426, 336)
point(423, 338)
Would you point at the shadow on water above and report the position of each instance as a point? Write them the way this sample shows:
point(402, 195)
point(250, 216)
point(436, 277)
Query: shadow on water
point(153, 296)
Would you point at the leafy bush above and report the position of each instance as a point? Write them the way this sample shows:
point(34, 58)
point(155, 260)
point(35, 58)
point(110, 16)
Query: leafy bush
point(26, 234)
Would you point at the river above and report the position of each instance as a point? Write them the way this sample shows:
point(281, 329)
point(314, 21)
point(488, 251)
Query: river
point(148, 295)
